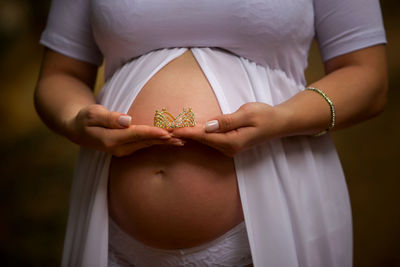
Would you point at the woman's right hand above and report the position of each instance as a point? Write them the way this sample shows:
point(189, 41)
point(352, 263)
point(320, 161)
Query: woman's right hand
point(98, 128)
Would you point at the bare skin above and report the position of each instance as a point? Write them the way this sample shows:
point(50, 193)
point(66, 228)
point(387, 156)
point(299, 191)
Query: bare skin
point(64, 99)
point(175, 197)
point(356, 82)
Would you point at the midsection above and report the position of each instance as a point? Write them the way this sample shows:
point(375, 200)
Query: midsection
point(175, 197)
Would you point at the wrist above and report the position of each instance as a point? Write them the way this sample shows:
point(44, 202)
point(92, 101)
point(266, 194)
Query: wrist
point(285, 121)
point(332, 109)
point(68, 125)
point(307, 113)
point(69, 129)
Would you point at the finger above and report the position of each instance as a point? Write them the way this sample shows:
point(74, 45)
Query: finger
point(229, 143)
point(194, 133)
point(198, 134)
point(97, 115)
point(175, 142)
point(135, 133)
point(227, 122)
point(129, 148)
point(221, 142)
point(143, 132)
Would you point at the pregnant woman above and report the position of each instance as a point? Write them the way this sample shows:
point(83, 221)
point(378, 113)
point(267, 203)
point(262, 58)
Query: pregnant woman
point(254, 181)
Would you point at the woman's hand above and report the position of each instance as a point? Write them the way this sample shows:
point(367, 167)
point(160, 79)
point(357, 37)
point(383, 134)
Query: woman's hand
point(252, 124)
point(98, 128)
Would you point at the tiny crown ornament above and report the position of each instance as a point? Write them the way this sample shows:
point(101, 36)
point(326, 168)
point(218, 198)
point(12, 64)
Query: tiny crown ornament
point(164, 119)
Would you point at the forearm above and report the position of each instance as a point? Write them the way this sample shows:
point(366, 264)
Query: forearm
point(357, 90)
point(63, 88)
point(59, 97)
point(356, 83)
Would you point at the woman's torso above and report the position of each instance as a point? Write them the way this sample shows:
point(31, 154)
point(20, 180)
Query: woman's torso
point(168, 196)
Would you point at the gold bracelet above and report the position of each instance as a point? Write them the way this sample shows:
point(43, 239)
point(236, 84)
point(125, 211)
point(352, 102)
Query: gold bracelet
point(333, 114)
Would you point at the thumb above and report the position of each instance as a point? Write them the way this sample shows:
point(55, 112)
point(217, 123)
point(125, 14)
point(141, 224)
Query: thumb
point(100, 116)
point(227, 122)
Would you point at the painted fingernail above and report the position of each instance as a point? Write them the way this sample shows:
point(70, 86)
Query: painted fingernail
point(125, 120)
point(167, 136)
point(212, 126)
point(178, 143)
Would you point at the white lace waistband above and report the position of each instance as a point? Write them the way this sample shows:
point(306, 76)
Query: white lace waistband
point(229, 249)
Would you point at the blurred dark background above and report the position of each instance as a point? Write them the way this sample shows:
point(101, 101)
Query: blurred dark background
point(36, 165)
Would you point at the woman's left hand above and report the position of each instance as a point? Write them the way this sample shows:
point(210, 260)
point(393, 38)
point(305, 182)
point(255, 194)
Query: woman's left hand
point(252, 124)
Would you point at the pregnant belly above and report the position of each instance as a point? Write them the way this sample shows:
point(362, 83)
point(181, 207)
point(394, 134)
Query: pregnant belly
point(175, 197)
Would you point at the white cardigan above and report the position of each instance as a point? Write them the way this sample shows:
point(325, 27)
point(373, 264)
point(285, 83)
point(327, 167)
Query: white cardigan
point(293, 191)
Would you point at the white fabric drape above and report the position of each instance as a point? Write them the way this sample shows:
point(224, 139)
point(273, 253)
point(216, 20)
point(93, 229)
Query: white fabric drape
point(293, 190)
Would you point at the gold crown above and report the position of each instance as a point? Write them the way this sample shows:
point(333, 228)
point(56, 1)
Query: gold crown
point(164, 119)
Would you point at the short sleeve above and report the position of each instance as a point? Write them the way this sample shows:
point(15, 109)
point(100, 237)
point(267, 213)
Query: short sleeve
point(343, 26)
point(69, 32)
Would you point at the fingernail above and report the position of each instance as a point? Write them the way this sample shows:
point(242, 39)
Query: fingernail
point(168, 136)
point(212, 126)
point(178, 143)
point(125, 120)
